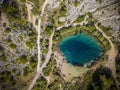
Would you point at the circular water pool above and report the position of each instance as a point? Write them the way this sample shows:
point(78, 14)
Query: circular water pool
point(80, 49)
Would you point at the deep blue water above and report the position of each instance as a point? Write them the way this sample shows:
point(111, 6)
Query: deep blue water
point(80, 49)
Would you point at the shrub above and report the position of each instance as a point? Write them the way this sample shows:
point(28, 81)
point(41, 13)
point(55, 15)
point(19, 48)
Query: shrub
point(8, 30)
point(80, 19)
point(11, 9)
point(63, 10)
point(1, 49)
point(76, 3)
point(3, 57)
point(22, 59)
point(26, 70)
point(30, 44)
point(12, 46)
point(40, 84)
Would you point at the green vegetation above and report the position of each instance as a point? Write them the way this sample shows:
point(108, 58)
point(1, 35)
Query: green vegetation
point(16, 14)
point(63, 10)
point(12, 46)
point(7, 80)
point(117, 63)
point(26, 71)
point(48, 69)
point(19, 24)
point(45, 44)
point(32, 39)
point(40, 84)
point(8, 30)
point(30, 44)
point(105, 29)
point(2, 55)
point(11, 9)
point(100, 79)
point(76, 3)
point(88, 28)
point(33, 62)
point(48, 30)
point(91, 18)
point(22, 59)
point(1, 49)
point(80, 19)
point(57, 80)
point(36, 8)
point(72, 30)
point(103, 80)
point(8, 41)
point(100, 1)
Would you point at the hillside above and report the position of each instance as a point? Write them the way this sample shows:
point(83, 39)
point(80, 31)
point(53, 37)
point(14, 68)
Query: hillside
point(30, 33)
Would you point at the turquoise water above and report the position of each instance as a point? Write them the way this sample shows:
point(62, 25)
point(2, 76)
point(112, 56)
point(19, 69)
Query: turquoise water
point(80, 49)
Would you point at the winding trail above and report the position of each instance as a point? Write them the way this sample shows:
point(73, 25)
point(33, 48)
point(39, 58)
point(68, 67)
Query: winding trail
point(43, 7)
point(72, 23)
point(112, 53)
point(32, 19)
point(48, 56)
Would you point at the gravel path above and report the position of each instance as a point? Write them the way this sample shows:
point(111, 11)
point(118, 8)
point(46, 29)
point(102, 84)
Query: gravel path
point(32, 18)
point(112, 53)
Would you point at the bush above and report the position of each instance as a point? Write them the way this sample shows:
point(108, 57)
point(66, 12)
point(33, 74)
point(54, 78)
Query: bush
point(76, 3)
point(8, 30)
point(33, 62)
point(30, 44)
point(22, 59)
point(36, 8)
point(11, 9)
point(80, 19)
point(40, 84)
point(1, 49)
point(3, 57)
point(63, 10)
point(26, 70)
point(12, 46)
